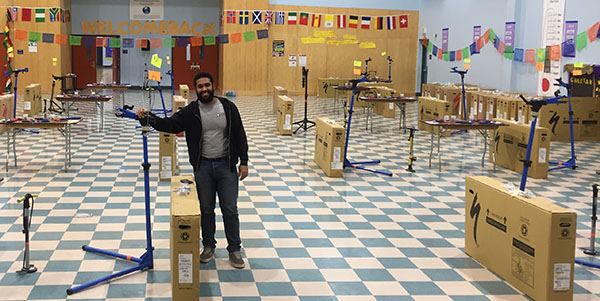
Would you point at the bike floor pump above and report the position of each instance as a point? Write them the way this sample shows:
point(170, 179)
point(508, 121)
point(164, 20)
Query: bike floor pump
point(411, 156)
point(27, 201)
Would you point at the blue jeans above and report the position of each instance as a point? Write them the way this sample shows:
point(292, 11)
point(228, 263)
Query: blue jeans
point(216, 178)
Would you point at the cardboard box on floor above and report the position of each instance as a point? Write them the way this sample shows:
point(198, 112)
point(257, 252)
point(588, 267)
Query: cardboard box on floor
point(285, 115)
point(329, 147)
point(184, 91)
point(385, 109)
point(179, 102)
point(511, 148)
point(325, 89)
point(530, 243)
point(373, 85)
point(433, 109)
point(586, 119)
point(185, 241)
point(32, 100)
point(167, 156)
point(6, 108)
point(277, 90)
point(452, 95)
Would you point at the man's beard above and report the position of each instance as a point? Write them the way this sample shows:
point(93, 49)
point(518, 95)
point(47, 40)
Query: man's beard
point(211, 95)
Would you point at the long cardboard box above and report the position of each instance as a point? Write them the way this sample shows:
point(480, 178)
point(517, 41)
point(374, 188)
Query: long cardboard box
point(285, 115)
point(329, 147)
point(530, 243)
point(277, 90)
point(433, 109)
point(325, 89)
point(184, 240)
point(586, 119)
point(167, 152)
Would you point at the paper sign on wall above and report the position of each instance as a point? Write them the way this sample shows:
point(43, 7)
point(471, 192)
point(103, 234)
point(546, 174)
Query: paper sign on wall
point(156, 61)
point(154, 75)
point(357, 63)
point(293, 60)
point(302, 60)
point(33, 46)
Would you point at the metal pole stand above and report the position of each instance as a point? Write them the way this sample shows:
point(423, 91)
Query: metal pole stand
point(389, 69)
point(592, 249)
point(411, 157)
point(146, 261)
point(462, 81)
point(536, 105)
point(27, 214)
point(304, 123)
point(16, 72)
point(571, 163)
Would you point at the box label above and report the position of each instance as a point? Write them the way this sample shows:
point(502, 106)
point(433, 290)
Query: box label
point(542, 155)
point(27, 106)
point(481, 107)
point(185, 268)
point(562, 276)
point(166, 171)
point(496, 224)
point(523, 265)
point(287, 125)
point(391, 105)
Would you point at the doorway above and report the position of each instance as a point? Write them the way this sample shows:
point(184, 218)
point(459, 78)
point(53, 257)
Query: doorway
point(94, 64)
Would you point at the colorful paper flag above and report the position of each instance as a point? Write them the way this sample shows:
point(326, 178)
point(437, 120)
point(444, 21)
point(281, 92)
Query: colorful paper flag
point(519, 54)
point(403, 21)
point(262, 34)
point(391, 22)
point(341, 21)
point(316, 20)
point(451, 56)
point(75, 40)
point(223, 38)
point(114, 42)
point(280, 18)
point(530, 56)
point(365, 22)
point(509, 55)
point(581, 41)
point(210, 40)
point(40, 15)
point(249, 35)
point(257, 17)
point(473, 48)
point(458, 56)
point(379, 23)
point(466, 52)
point(196, 41)
point(592, 32)
point(35, 36)
point(168, 42)
point(292, 18)
point(156, 43)
point(492, 35)
point(303, 18)
point(329, 21)
point(127, 43)
point(54, 13)
point(440, 54)
point(480, 43)
point(141, 43)
point(554, 52)
point(26, 14)
point(61, 39)
point(235, 37)
point(48, 38)
point(434, 50)
point(88, 41)
point(353, 22)
point(244, 17)
point(429, 47)
point(568, 48)
point(539, 66)
point(269, 17)
point(231, 16)
point(541, 55)
point(446, 55)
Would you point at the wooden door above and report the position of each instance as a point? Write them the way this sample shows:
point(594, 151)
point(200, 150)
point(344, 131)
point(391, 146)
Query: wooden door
point(84, 65)
point(199, 59)
point(116, 65)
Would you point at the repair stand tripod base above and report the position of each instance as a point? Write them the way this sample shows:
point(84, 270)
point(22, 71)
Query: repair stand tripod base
point(304, 124)
point(30, 269)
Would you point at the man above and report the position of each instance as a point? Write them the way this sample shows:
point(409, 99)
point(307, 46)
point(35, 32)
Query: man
point(216, 139)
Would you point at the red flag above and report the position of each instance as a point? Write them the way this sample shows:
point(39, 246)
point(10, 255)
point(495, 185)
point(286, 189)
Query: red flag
point(554, 52)
point(26, 14)
point(101, 42)
point(196, 41)
point(316, 20)
point(501, 47)
point(530, 56)
point(459, 55)
point(403, 21)
point(486, 36)
point(341, 21)
point(592, 32)
point(303, 18)
point(440, 54)
point(480, 43)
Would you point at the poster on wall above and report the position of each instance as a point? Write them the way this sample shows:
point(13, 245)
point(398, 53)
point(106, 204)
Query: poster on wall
point(552, 34)
point(146, 9)
point(293, 60)
point(32, 47)
point(278, 47)
point(302, 60)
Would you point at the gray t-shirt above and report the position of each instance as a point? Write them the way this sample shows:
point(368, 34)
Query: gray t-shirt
point(214, 124)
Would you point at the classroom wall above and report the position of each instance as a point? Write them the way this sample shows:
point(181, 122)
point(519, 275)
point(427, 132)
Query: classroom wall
point(489, 68)
point(115, 11)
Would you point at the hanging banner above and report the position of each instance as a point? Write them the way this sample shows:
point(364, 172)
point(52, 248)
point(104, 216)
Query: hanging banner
point(569, 43)
point(552, 34)
point(146, 9)
point(509, 34)
point(445, 38)
point(476, 35)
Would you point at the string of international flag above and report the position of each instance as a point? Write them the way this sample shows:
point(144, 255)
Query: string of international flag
point(38, 14)
point(269, 17)
point(538, 56)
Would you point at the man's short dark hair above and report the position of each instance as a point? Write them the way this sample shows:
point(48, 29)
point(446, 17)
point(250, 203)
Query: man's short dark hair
point(204, 74)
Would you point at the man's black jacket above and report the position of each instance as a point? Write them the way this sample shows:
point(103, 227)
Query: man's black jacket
point(188, 119)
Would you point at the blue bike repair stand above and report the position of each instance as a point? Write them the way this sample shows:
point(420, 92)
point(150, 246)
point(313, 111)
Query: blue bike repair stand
point(170, 74)
point(164, 109)
point(571, 163)
point(536, 105)
point(146, 261)
point(462, 81)
point(347, 162)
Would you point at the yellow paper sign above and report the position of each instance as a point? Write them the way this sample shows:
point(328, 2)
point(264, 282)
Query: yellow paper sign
point(334, 42)
point(367, 45)
point(156, 61)
point(168, 62)
point(356, 71)
point(357, 64)
point(324, 34)
point(154, 75)
point(467, 66)
point(578, 65)
point(311, 40)
point(577, 72)
point(54, 59)
point(467, 60)
point(349, 37)
point(168, 58)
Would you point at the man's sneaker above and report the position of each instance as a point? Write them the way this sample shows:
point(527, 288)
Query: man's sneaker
point(236, 260)
point(207, 254)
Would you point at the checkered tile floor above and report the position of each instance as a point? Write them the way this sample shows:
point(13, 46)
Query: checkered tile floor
point(305, 236)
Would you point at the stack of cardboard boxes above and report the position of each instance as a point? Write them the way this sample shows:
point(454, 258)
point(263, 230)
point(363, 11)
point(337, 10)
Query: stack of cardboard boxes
point(184, 91)
point(277, 90)
point(530, 243)
point(433, 109)
point(285, 114)
point(33, 99)
point(385, 109)
point(329, 147)
point(185, 239)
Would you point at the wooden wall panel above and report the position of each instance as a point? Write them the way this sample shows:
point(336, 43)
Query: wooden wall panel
point(323, 60)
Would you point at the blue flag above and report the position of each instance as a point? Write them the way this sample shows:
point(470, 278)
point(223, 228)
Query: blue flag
point(473, 48)
point(452, 56)
point(182, 42)
point(568, 48)
point(434, 51)
point(519, 54)
point(127, 43)
point(262, 34)
point(223, 38)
